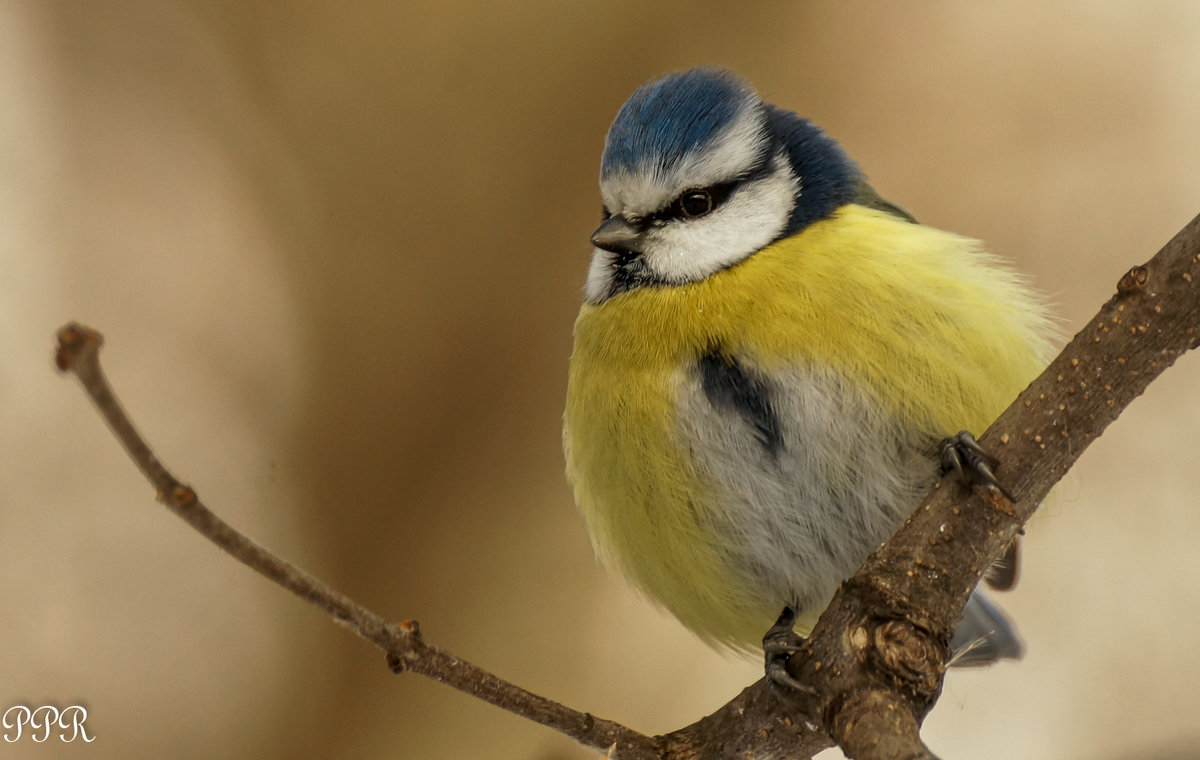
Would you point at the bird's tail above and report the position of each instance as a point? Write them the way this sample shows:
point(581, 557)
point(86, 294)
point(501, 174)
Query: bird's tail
point(985, 635)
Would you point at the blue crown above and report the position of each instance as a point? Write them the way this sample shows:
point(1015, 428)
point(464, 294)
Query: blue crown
point(672, 116)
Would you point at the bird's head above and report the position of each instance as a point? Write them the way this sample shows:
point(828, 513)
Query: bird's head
point(698, 174)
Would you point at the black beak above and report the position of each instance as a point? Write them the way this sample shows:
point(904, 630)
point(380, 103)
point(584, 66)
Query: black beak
point(616, 235)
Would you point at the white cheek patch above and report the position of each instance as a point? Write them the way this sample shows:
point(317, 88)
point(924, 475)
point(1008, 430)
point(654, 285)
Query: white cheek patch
point(687, 250)
point(600, 276)
point(690, 250)
point(642, 193)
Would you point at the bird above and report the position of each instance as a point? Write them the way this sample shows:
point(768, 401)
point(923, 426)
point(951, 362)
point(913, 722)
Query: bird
point(772, 364)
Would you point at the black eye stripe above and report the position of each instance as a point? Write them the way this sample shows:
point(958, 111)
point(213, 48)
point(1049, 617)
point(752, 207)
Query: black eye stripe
point(717, 194)
point(720, 192)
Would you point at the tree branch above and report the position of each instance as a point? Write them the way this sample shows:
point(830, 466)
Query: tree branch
point(79, 353)
point(876, 659)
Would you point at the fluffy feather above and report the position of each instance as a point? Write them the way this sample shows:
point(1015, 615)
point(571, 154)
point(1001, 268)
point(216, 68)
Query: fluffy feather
point(877, 337)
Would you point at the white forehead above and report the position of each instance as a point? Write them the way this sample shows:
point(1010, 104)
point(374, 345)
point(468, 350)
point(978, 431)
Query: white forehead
point(642, 190)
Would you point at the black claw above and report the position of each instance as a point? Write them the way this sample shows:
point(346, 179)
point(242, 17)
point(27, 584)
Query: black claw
point(973, 466)
point(779, 644)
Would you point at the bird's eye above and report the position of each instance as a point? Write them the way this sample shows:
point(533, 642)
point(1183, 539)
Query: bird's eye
point(695, 203)
point(605, 213)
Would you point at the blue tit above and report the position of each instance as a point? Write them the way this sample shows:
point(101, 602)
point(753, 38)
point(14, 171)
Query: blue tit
point(767, 361)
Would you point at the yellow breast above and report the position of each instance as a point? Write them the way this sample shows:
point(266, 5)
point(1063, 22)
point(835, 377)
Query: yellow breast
point(925, 321)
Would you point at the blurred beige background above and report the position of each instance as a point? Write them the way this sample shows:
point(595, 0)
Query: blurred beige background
point(337, 248)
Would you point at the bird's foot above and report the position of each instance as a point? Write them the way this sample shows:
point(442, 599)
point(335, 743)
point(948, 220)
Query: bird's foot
point(963, 455)
point(779, 644)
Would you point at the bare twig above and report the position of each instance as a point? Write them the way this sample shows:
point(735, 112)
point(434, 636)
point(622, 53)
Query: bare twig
point(79, 354)
point(877, 656)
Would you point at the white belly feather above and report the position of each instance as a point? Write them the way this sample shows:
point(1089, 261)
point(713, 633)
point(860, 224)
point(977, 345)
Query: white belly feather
point(803, 515)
